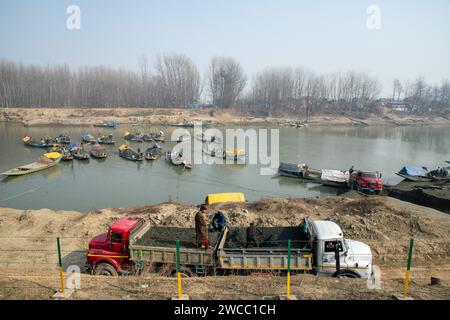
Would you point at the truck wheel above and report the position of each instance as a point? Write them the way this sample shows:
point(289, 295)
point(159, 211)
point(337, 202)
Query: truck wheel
point(105, 269)
point(346, 274)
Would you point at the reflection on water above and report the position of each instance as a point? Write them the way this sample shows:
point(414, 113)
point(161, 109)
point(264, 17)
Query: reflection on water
point(116, 182)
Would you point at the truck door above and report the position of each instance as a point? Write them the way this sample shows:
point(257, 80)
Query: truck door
point(118, 246)
point(328, 261)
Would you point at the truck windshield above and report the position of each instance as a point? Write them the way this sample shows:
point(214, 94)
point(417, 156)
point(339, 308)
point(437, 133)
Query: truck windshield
point(369, 175)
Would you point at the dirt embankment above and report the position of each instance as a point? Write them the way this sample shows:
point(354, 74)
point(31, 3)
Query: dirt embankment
point(172, 116)
point(435, 194)
point(28, 257)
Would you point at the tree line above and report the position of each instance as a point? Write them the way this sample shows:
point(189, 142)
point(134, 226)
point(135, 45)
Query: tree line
point(174, 80)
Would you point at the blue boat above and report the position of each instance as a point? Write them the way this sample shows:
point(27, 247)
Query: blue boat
point(414, 173)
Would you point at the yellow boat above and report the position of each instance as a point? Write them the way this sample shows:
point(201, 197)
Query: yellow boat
point(48, 160)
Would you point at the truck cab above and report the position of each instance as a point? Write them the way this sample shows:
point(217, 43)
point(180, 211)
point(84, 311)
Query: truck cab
point(108, 252)
point(366, 181)
point(354, 258)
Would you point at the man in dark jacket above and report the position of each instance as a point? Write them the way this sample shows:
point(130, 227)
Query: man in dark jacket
point(219, 221)
point(201, 228)
point(252, 234)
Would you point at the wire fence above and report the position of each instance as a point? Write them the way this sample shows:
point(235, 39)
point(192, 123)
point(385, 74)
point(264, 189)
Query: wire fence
point(33, 265)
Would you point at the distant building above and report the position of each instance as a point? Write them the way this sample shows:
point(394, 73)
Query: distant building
point(397, 106)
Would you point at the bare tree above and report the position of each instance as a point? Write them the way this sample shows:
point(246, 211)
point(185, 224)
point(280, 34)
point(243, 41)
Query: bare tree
point(226, 81)
point(178, 79)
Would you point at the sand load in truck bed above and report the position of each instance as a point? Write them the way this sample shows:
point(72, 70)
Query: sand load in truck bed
point(272, 237)
point(167, 236)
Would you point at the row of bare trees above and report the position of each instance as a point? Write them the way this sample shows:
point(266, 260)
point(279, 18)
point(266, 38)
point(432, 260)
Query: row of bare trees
point(422, 97)
point(174, 81)
point(299, 89)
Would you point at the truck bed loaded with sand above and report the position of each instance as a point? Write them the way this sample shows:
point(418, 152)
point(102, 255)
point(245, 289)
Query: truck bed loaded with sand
point(132, 244)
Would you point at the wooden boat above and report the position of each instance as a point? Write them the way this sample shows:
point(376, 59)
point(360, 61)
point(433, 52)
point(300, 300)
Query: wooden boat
point(189, 124)
point(413, 178)
point(335, 178)
point(213, 152)
point(129, 154)
point(79, 153)
point(183, 138)
point(107, 124)
point(106, 140)
point(202, 137)
point(178, 159)
point(234, 153)
point(98, 152)
point(43, 143)
point(46, 161)
point(415, 174)
point(63, 139)
point(300, 170)
point(132, 137)
point(64, 151)
point(154, 152)
point(66, 155)
point(159, 137)
point(88, 138)
point(147, 137)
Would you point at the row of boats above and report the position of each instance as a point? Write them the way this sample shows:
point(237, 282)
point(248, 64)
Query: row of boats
point(326, 177)
point(64, 139)
point(343, 178)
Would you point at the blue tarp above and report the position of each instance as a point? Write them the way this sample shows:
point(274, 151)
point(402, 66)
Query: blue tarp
point(414, 171)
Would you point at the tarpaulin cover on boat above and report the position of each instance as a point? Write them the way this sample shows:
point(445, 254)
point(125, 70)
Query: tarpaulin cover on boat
point(290, 167)
point(53, 155)
point(26, 139)
point(335, 175)
point(123, 147)
point(233, 152)
point(414, 171)
point(225, 197)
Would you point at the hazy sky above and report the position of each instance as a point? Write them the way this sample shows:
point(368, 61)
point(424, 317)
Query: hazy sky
point(323, 36)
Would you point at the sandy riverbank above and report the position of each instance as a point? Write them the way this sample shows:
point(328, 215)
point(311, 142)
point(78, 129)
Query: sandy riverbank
point(386, 224)
point(171, 116)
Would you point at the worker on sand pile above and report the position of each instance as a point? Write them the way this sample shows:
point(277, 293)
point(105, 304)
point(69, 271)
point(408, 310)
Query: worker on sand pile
point(252, 232)
point(201, 228)
point(219, 221)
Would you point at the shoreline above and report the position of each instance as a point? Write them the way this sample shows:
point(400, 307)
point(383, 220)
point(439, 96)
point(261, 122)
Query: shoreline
point(30, 117)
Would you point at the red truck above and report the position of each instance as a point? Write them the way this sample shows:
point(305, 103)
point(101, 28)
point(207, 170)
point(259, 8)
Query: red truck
point(366, 181)
point(108, 252)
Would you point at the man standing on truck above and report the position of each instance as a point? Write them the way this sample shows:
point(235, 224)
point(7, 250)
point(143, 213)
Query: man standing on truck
point(201, 228)
point(219, 221)
point(252, 231)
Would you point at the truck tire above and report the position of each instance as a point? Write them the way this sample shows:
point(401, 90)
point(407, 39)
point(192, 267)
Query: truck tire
point(105, 269)
point(346, 274)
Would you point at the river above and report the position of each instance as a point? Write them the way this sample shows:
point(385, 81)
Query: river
point(116, 182)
